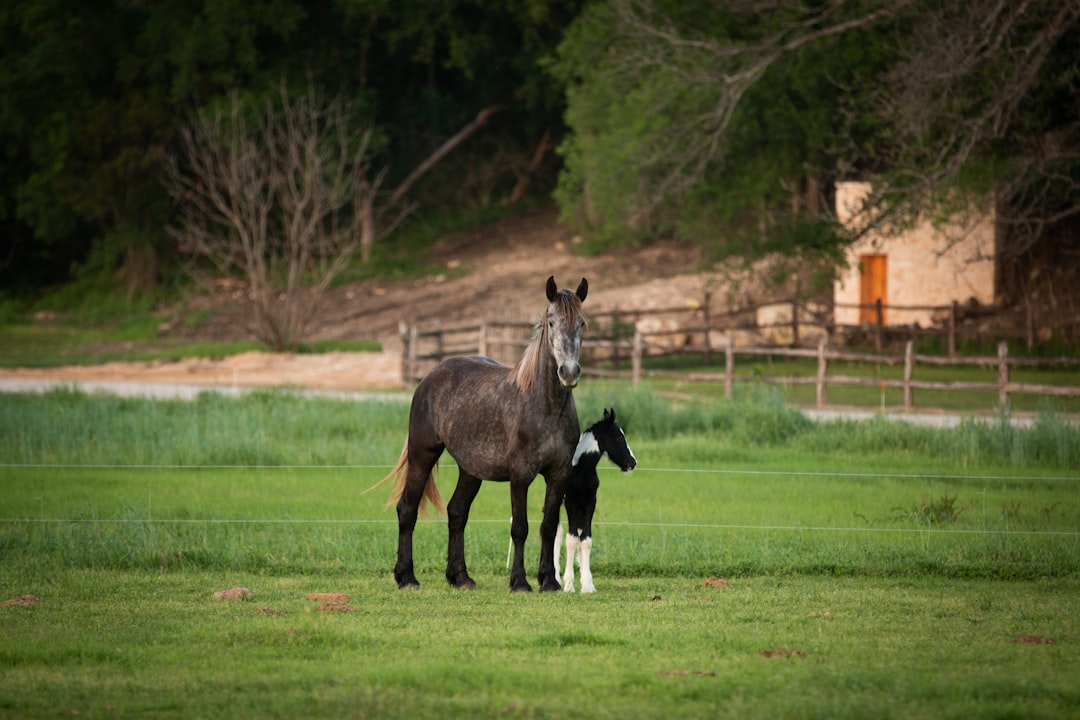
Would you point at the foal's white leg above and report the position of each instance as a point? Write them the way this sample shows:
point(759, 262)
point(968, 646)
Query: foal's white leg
point(571, 550)
point(510, 549)
point(558, 550)
point(586, 571)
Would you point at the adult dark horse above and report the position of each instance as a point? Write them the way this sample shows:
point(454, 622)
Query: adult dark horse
point(500, 423)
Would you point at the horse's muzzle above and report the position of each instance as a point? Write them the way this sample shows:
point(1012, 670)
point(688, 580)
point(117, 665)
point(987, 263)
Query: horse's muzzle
point(569, 375)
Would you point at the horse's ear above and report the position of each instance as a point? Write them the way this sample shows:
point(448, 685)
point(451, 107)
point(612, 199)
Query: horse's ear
point(552, 289)
point(582, 289)
point(609, 415)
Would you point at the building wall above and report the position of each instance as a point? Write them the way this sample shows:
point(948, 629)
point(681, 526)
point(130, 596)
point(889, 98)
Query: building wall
point(924, 266)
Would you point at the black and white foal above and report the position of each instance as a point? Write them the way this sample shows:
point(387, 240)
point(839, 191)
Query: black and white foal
point(602, 438)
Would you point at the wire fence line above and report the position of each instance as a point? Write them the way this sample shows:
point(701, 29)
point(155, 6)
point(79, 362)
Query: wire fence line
point(609, 470)
point(924, 530)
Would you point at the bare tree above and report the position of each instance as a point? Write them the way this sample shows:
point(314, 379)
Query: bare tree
point(284, 197)
point(279, 196)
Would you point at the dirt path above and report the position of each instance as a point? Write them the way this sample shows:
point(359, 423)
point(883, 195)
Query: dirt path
point(330, 371)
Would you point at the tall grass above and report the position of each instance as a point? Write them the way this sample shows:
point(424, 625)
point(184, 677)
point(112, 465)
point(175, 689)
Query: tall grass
point(278, 428)
point(258, 428)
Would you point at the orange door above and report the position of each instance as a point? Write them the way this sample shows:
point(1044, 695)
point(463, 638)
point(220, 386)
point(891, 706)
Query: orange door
point(872, 286)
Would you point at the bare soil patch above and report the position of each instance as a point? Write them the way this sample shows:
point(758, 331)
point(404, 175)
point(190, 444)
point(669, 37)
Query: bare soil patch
point(330, 597)
point(236, 593)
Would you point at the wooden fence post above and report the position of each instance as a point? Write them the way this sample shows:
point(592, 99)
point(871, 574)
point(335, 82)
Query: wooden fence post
point(821, 369)
point(909, 371)
point(616, 332)
point(403, 333)
point(1003, 374)
point(708, 328)
point(414, 340)
point(1029, 325)
point(879, 325)
point(729, 365)
point(635, 361)
point(794, 322)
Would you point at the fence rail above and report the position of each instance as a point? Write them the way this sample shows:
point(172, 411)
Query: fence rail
point(504, 342)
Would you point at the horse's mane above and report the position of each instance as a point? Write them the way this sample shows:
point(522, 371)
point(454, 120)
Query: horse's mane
point(525, 372)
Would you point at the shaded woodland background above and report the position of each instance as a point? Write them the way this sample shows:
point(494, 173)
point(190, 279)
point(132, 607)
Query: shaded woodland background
point(724, 126)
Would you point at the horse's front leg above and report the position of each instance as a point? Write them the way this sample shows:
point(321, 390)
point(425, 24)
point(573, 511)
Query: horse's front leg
point(584, 549)
point(585, 545)
point(553, 499)
point(519, 532)
point(457, 515)
point(571, 552)
point(557, 550)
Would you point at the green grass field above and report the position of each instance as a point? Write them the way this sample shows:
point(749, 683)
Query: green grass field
point(873, 570)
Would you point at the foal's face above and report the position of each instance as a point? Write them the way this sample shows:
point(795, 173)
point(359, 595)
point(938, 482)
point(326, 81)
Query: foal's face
point(618, 450)
point(565, 328)
point(611, 439)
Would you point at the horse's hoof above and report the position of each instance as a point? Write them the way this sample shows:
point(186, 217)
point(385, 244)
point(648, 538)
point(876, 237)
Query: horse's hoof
point(550, 586)
point(406, 582)
point(522, 587)
point(466, 584)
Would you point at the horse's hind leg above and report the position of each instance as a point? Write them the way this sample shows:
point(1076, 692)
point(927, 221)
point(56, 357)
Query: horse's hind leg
point(418, 471)
point(457, 514)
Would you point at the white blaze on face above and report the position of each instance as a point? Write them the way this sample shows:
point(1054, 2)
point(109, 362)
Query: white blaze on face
point(628, 449)
point(587, 445)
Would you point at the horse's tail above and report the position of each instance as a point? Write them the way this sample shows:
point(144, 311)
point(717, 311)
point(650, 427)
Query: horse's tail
point(400, 474)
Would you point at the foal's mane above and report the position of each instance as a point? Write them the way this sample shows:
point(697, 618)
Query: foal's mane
point(524, 374)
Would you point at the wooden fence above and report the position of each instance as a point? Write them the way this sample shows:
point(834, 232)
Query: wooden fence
point(489, 338)
point(1004, 386)
point(616, 344)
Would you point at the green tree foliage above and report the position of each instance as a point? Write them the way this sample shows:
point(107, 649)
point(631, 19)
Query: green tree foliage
point(982, 102)
point(729, 124)
point(88, 106)
point(726, 125)
point(92, 94)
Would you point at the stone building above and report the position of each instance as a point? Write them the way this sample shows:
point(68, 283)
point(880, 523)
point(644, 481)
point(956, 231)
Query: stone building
point(925, 266)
